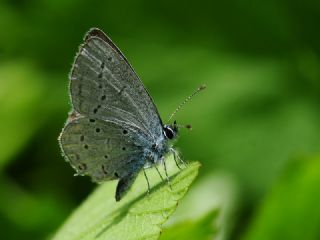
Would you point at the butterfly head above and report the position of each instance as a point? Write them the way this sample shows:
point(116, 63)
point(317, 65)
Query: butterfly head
point(171, 130)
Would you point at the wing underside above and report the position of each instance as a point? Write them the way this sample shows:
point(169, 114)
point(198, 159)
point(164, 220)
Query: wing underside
point(102, 150)
point(104, 86)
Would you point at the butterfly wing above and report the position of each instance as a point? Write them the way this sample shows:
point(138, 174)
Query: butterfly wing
point(100, 149)
point(104, 86)
point(113, 119)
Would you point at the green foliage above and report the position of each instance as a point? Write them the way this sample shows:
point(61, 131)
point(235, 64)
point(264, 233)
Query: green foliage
point(201, 229)
point(17, 118)
point(261, 65)
point(291, 204)
point(136, 216)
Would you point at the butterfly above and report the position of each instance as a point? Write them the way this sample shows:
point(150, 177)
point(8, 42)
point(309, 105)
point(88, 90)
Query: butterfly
point(114, 129)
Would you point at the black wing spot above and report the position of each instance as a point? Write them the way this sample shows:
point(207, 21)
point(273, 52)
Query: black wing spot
point(105, 156)
point(100, 76)
point(97, 130)
point(104, 170)
point(86, 146)
point(82, 166)
point(123, 148)
point(81, 138)
point(103, 97)
point(125, 131)
point(96, 109)
point(92, 120)
point(102, 65)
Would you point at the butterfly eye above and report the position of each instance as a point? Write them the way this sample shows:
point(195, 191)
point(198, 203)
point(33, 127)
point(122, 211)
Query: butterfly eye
point(168, 132)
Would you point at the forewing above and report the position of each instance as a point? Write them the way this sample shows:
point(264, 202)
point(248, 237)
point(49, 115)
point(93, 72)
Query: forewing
point(104, 86)
point(102, 150)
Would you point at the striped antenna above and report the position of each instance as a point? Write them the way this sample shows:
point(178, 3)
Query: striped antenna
point(202, 87)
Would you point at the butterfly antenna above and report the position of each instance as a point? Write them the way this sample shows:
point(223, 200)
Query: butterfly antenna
point(202, 87)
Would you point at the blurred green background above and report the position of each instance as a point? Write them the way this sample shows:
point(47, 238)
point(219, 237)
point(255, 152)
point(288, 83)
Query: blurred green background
point(255, 128)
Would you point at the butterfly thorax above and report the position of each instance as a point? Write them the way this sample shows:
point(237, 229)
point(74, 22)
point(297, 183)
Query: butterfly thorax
point(159, 149)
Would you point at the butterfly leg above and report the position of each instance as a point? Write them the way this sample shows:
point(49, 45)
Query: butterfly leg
point(180, 160)
point(146, 177)
point(158, 172)
point(166, 172)
point(177, 158)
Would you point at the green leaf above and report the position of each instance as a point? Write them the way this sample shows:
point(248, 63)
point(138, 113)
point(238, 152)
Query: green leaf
point(201, 229)
point(291, 210)
point(137, 216)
